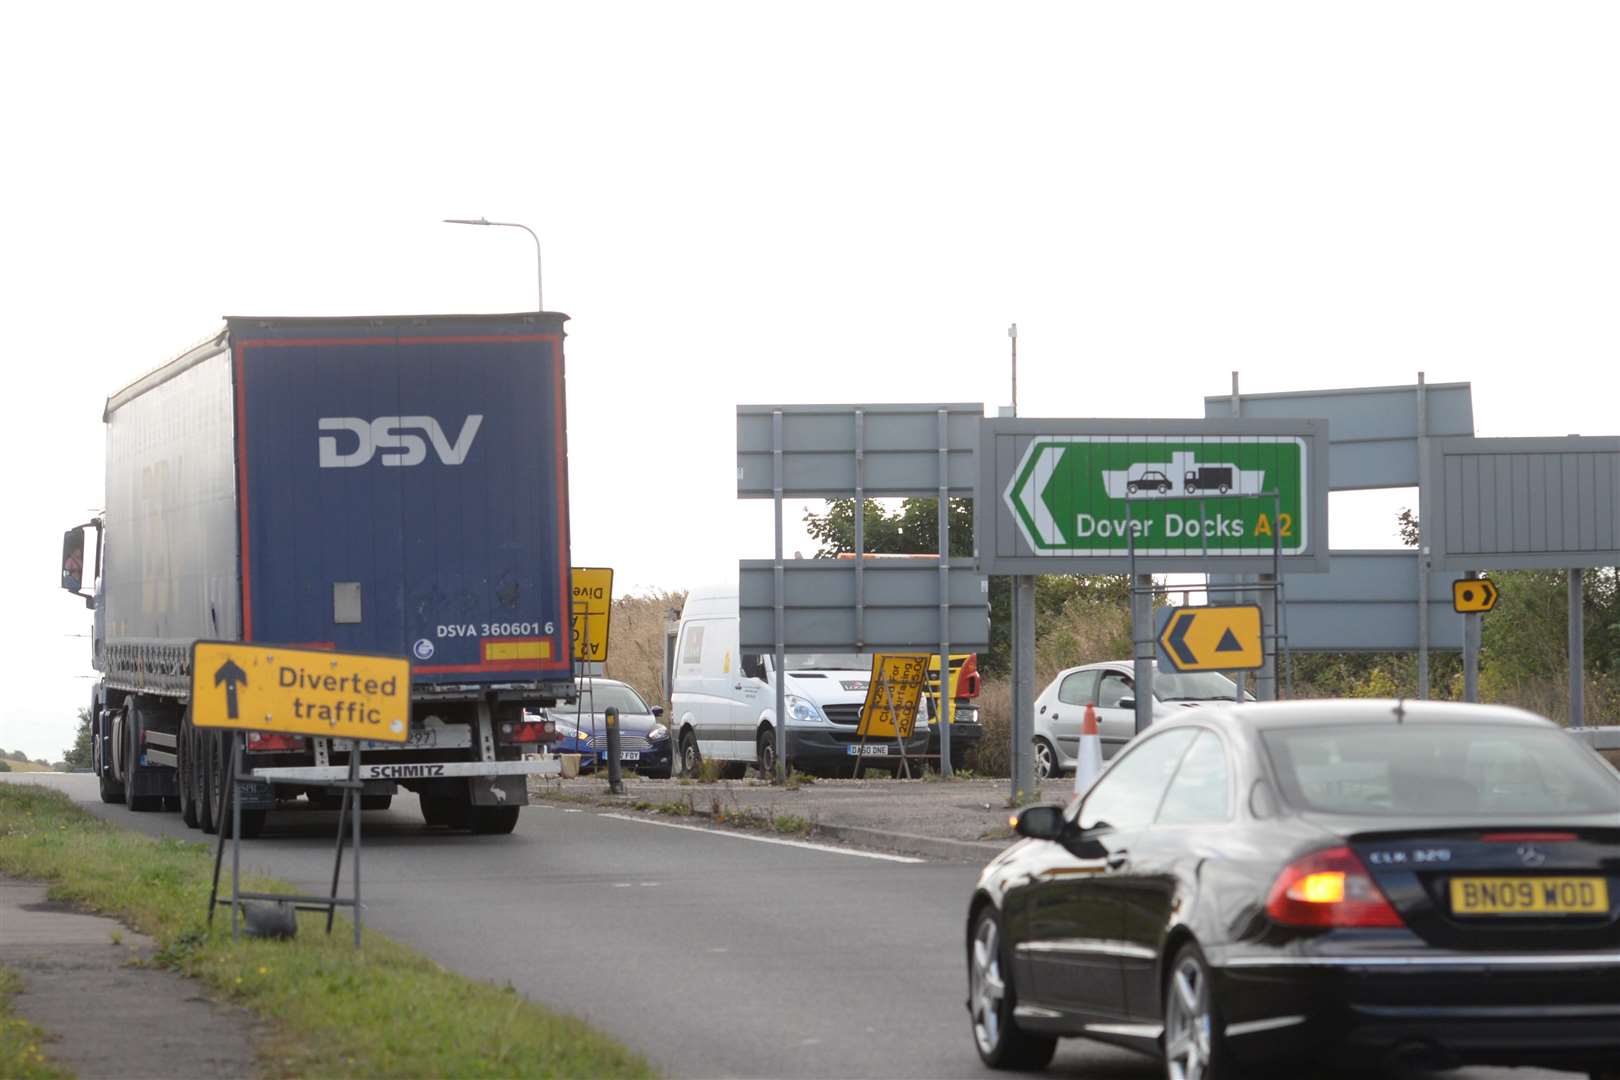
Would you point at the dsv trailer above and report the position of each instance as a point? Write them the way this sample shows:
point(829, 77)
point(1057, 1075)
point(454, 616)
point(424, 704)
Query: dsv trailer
point(393, 485)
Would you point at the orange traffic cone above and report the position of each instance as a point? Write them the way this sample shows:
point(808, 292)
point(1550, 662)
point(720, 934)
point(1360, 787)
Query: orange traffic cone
point(1089, 765)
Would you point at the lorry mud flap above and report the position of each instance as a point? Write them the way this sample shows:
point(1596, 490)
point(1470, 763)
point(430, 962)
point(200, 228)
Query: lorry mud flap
point(498, 791)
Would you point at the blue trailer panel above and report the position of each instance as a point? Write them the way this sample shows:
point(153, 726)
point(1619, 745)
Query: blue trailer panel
point(405, 491)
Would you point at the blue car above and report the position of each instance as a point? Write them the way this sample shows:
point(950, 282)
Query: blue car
point(644, 745)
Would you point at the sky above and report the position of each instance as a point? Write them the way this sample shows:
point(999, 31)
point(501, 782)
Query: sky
point(794, 203)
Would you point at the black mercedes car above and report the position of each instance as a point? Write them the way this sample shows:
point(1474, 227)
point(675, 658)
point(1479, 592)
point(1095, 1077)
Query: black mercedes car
point(1358, 882)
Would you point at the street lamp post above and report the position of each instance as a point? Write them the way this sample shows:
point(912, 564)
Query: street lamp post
point(539, 281)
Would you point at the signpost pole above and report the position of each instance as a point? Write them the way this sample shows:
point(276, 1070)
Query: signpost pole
point(354, 820)
point(344, 808)
point(236, 835)
point(781, 601)
point(860, 530)
point(1424, 527)
point(945, 701)
point(1577, 653)
point(1142, 648)
point(1023, 723)
point(1471, 636)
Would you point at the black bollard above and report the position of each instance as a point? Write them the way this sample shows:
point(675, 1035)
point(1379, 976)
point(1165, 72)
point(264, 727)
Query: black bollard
point(615, 779)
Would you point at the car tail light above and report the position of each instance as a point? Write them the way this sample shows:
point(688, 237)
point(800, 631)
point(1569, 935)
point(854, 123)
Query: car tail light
point(1329, 888)
point(264, 742)
point(528, 731)
point(967, 680)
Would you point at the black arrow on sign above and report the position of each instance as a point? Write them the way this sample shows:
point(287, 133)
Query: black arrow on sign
point(1176, 641)
point(230, 675)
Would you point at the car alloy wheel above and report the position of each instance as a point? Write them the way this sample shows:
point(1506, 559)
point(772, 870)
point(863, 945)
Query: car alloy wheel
point(1045, 760)
point(1189, 1020)
point(986, 987)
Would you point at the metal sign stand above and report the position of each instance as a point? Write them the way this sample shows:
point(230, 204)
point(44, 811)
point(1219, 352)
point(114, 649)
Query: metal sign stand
point(350, 810)
point(887, 688)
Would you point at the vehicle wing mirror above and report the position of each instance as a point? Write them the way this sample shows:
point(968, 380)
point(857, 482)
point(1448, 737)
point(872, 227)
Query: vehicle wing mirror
point(657, 711)
point(1126, 703)
point(73, 559)
point(1040, 822)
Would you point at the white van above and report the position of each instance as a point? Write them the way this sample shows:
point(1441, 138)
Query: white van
point(723, 701)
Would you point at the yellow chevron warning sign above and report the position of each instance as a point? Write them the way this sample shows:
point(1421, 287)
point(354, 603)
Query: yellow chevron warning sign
point(1213, 638)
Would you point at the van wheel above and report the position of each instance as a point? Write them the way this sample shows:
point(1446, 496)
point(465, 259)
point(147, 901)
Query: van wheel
point(767, 753)
point(690, 758)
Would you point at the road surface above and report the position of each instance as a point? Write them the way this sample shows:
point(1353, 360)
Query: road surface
point(712, 953)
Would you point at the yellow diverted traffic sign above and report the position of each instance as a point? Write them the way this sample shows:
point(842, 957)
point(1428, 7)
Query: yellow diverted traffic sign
point(892, 696)
point(300, 691)
point(1213, 638)
point(593, 608)
point(1470, 595)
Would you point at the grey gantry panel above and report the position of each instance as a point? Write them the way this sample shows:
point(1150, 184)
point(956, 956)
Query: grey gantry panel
point(1367, 602)
point(1533, 504)
point(901, 605)
point(899, 446)
point(1054, 495)
point(1374, 428)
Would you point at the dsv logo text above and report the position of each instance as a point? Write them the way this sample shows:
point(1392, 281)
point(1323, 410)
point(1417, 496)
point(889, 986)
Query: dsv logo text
point(395, 439)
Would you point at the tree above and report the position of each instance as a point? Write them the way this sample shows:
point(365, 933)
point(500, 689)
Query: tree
point(80, 756)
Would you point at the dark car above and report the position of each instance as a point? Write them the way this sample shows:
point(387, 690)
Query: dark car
point(1356, 882)
point(644, 743)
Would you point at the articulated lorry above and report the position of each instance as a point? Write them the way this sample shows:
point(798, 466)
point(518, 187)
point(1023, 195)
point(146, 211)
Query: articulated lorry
point(392, 486)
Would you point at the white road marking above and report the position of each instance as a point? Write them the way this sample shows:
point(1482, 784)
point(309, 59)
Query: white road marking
point(768, 839)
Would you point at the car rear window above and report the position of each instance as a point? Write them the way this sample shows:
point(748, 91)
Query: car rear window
point(601, 698)
point(1439, 770)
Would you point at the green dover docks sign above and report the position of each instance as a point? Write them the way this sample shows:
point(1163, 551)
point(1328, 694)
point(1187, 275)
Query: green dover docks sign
point(1190, 496)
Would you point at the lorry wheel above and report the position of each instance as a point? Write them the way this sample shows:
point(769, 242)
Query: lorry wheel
point(376, 802)
point(492, 820)
point(444, 811)
point(219, 811)
point(111, 790)
point(185, 754)
point(141, 804)
point(203, 773)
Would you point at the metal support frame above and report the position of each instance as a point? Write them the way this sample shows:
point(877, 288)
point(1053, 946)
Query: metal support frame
point(1577, 652)
point(348, 812)
point(1023, 725)
point(1471, 641)
point(946, 702)
point(900, 740)
point(779, 667)
point(1424, 484)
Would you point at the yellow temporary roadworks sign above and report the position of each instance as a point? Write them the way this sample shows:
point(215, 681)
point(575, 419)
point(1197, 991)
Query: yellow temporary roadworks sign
point(593, 609)
point(300, 691)
point(1213, 638)
point(1469, 595)
point(893, 695)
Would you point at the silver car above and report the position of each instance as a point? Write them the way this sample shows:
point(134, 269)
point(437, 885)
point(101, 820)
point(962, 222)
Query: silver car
point(1109, 688)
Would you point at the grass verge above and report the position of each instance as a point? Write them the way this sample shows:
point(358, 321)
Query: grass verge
point(385, 1011)
point(22, 1053)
